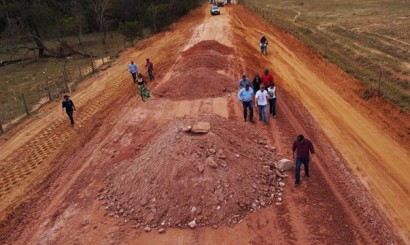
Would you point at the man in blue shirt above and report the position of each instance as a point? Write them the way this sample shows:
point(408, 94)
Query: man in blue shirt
point(245, 96)
point(243, 82)
point(133, 69)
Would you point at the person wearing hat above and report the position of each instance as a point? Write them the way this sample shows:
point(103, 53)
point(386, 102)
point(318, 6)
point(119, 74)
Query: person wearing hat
point(69, 108)
point(303, 148)
point(244, 81)
point(245, 96)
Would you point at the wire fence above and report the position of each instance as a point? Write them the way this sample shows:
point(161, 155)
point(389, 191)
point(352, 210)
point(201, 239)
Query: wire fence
point(28, 100)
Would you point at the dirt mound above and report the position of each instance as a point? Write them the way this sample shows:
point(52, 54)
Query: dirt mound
point(183, 179)
point(208, 45)
point(195, 84)
point(196, 75)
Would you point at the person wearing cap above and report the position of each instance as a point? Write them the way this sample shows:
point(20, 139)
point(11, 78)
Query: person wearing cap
point(267, 78)
point(245, 96)
point(303, 148)
point(69, 108)
point(133, 69)
point(243, 82)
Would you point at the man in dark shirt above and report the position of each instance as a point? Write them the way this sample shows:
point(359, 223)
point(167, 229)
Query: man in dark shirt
point(150, 68)
point(303, 148)
point(69, 108)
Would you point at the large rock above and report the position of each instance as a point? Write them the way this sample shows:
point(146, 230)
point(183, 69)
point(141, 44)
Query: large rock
point(285, 164)
point(201, 127)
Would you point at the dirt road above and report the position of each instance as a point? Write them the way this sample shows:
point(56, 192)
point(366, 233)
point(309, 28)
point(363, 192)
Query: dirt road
point(52, 176)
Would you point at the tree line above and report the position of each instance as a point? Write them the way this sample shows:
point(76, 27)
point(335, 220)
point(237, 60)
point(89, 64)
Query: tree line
point(45, 19)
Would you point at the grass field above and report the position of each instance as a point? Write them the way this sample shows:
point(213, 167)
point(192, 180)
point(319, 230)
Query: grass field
point(361, 37)
point(33, 77)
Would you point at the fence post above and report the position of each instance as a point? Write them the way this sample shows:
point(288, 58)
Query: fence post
point(1, 129)
point(380, 80)
point(92, 65)
point(48, 91)
point(102, 59)
point(25, 104)
point(81, 73)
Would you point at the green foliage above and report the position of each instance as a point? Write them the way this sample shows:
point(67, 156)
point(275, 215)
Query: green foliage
point(130, 30)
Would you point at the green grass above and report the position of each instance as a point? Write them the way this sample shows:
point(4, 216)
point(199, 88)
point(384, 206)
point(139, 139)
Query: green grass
point(30, 77)
point(361, 37)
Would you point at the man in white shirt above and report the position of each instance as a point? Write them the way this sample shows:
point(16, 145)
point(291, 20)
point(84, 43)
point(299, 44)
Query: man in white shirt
point(261, 99)
point(272, 99)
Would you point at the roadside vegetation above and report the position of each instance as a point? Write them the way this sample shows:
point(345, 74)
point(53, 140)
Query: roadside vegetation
point(48, 46)
point(367, 39)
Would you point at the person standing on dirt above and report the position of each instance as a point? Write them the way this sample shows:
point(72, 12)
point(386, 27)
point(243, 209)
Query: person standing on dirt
point(256, 82)
point(150, 67)
point(303, 148)
point(243, 82)
point(143, 90)
point(245, 96)
point(133, 69)
point(69, 108)
point(261, 100)
point(272, 99)
point(267, 78)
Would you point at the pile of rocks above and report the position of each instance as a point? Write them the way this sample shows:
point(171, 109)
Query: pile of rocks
point(182, 179)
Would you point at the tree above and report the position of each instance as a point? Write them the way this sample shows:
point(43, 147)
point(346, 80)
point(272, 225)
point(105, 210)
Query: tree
point(100, 8)
point(130, 30)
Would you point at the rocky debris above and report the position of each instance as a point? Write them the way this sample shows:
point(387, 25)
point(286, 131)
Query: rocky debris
point(192, 224)
point(211, 162)
point(185, 129)
point(194, 180)
point(201, 127)
point(285, 164)
point(199, 63)
point(147, 229)
point(161, 230)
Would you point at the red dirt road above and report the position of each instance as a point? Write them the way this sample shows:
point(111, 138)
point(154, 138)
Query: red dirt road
point(51, 175)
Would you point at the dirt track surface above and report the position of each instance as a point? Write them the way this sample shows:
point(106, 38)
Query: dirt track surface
point(52, 175)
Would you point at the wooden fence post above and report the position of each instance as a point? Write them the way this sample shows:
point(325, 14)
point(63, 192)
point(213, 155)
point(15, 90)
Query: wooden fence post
point(25, 104)
point(380, 80)
point(50, 98)
point(81, 73)
point(92, 65)
point(1, 129)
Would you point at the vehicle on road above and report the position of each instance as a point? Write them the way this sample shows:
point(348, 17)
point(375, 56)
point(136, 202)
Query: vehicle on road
point(215, 10)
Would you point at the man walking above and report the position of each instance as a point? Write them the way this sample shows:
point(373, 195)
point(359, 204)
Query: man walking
point(303, 148)
point(244, 81)
point(69, 108)
point(272, 99)
point(133, 69)
point(245, 96)
point(150, 67)
point(267, 78)
point(261, 99)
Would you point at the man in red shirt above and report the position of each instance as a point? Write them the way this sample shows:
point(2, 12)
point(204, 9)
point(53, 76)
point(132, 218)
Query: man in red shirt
point(267, 79)
point(150, 68)
point(303, 148)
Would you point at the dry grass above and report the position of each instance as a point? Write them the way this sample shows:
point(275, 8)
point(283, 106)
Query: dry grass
point(31, 77)
point(361, 37)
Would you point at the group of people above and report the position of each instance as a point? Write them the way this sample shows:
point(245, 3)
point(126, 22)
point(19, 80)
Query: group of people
point(139, 79)
point(266, 92)
point(263, 90)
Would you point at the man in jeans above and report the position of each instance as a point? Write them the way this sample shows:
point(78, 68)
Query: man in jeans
point(69, 107)
point(245, 96)
point(261, 99)
point(150, 67)
point(303, 148)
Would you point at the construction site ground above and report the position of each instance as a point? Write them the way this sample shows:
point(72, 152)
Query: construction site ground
point(78, 185)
